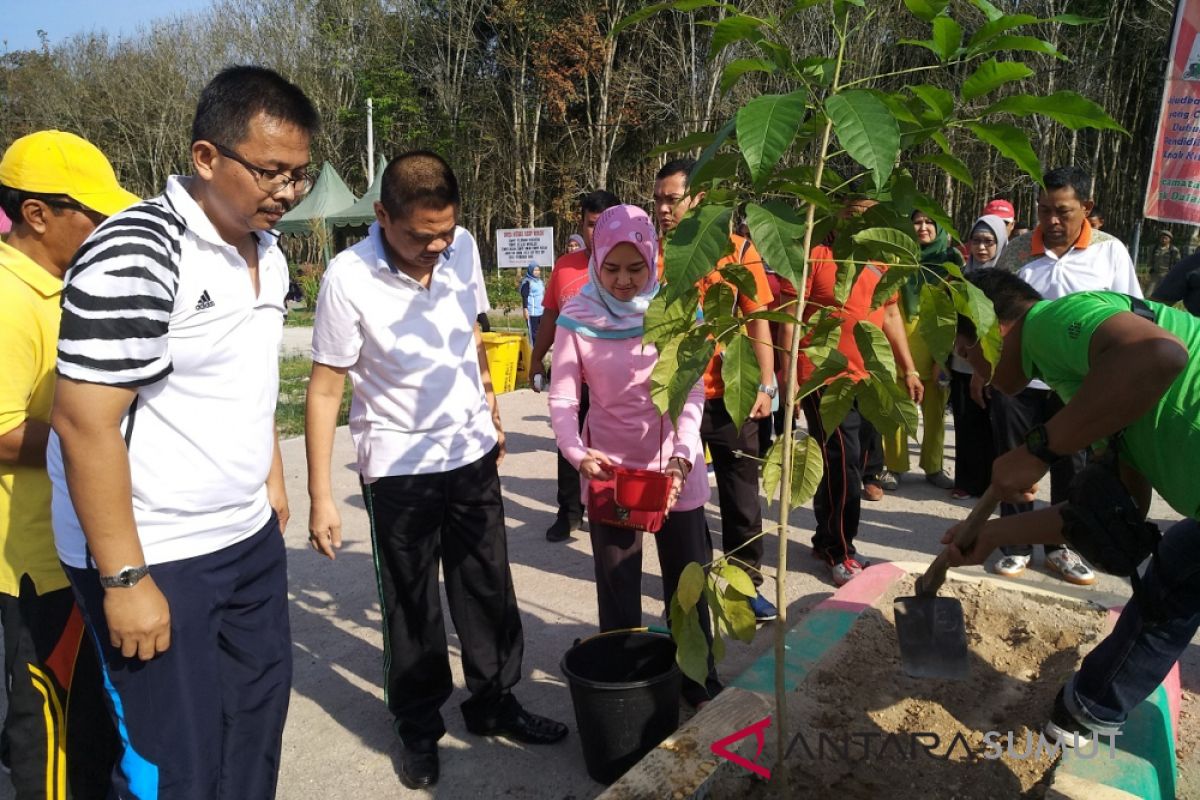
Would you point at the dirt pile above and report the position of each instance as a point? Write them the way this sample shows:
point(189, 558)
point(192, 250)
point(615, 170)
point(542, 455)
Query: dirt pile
point(861, 728)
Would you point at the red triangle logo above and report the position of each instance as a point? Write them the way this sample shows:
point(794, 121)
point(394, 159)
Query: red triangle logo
point(758, 730)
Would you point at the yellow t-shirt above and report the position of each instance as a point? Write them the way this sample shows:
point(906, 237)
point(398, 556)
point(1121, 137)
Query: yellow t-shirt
point(29, 314)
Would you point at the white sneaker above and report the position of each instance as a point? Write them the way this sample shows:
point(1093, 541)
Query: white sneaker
point(1067, 563)
point(1012, 566)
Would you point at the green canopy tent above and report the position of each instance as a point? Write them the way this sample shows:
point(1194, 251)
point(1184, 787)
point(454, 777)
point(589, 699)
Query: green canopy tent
point(362, 211)
point(330, 194)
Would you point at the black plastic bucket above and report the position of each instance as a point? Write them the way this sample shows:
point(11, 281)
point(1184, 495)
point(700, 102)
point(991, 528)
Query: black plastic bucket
point(625, 688)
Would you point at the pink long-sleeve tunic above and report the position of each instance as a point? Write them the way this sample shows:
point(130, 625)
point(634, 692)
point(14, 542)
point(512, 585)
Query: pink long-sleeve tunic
point(622, 421)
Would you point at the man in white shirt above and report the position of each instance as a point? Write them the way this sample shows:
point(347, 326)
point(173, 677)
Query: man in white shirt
point(1063, 255)
point(397, 312)
point(168, 490)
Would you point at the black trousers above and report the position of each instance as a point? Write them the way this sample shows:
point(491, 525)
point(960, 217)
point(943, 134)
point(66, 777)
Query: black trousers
point(455, 519)
point(617, 552)
point(737, 484)
point(974, 451)
point(1012, 418)
point(837, 504)
point(570, 504)
point(56, 706)
point(204, 720)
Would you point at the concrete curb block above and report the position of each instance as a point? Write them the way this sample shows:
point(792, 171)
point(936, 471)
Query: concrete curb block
point(684, 766)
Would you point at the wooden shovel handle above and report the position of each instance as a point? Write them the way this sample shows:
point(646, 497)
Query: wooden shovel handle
point(929, 583)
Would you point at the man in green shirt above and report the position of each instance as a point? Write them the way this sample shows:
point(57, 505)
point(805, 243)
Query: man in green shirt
point(1124, 367)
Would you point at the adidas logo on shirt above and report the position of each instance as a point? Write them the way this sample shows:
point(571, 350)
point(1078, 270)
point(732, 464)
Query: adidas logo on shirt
point(205, 301)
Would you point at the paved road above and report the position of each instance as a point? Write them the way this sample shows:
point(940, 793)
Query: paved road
point(338, 743)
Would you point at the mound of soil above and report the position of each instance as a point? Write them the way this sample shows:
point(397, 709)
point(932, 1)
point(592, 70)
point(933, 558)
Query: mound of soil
point(861, 728)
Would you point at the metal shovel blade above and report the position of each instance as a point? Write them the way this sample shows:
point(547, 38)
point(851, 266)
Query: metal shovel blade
point(933, 637)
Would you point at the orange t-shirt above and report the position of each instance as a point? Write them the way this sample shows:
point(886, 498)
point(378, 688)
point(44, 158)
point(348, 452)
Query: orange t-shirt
point(569, 276)
point(745, 254)
point(820, 292)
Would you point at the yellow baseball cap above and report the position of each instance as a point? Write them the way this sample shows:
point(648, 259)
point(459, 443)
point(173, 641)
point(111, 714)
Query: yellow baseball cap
point(57, 162)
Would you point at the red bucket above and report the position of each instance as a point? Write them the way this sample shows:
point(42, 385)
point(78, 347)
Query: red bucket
point(642, 489)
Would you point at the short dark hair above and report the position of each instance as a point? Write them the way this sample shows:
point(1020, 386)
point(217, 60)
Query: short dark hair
point(1096, 212)
point(1010, 296)
point(675, 167)
point(1072, 177)
point(418, 178)
point(10, 203)
point(597, 201)
point(238, 94)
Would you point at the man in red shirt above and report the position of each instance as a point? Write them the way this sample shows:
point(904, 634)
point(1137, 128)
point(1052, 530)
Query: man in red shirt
point(569, 275)
point(737, 477)
point(838, 501)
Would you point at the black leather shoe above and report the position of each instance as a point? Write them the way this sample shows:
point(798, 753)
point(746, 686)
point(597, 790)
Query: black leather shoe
point(560, 531)
point(522, 726)
point(418, 767)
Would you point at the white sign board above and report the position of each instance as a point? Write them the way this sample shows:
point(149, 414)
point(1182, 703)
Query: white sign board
point(516, 247)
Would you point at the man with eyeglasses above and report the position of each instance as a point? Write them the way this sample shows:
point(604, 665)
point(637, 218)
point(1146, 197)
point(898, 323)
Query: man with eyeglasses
point(56, 188)
point(169, 501)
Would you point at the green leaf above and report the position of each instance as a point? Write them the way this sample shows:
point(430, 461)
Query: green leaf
point(1027, 44)
point(691, 645)
point(738, 580)
point(937, 321)
point(765, 128)
point(718, 302)
point(890, 283)
point(939, 101)
point(709, 152)
point(972, 303)
point(719, 168)
point(695, 246)
point(926, 9)
point(994, 27)
point(828, 362)
point(947, 37)
point(739, 371)
point(875, 349)
point(736, 608)
point(934, 211)
point(691, 585)
point(1012, 143)
point(680, 364)
point(1075, 19)
point(991, 75)
point(890, 242)
point(847, 273)
point(735, 69)
point(643, 14)
point(808, 465)
point(778, 232)
point(867, 130)
point(951, 165)
point(773, 468)
point(886, 405)
point(732, 29)
point(692, 140)
point(666, 321)
point(740, 278)
point(836, 401)
point(990, 11)
point(1067, 108)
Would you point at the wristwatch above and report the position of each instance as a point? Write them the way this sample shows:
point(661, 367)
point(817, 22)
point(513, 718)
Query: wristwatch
point(769, 391)
point(1038, 442)
point(125, 578)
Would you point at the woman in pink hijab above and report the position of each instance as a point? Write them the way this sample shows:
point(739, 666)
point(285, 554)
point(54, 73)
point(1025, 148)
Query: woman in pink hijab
point(599, 341)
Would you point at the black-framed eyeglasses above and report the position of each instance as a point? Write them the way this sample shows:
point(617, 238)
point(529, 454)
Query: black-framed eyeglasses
point(271, 181)
point(67, 204)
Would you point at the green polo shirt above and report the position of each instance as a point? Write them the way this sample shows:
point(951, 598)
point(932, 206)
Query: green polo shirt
point(1164, 443)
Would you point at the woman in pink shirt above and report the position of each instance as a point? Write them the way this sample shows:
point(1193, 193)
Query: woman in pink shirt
point(599, 342)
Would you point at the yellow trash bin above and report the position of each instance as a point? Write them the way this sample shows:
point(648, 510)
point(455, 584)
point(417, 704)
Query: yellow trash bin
point(503, 354)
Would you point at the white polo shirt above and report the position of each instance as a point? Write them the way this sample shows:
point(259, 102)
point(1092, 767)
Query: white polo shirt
point(1097, 262)
point(158, 301)
point(419, 407)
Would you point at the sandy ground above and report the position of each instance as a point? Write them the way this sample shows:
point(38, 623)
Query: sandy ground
point(338, 742)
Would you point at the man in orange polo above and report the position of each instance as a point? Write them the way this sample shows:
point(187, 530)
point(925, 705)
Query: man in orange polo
point(737, 477)
point(569, 275)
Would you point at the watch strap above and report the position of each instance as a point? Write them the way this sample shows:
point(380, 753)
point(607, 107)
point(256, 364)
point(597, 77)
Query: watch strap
point(1037, 442)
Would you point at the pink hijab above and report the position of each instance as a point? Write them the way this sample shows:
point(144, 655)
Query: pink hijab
point(596, 313)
